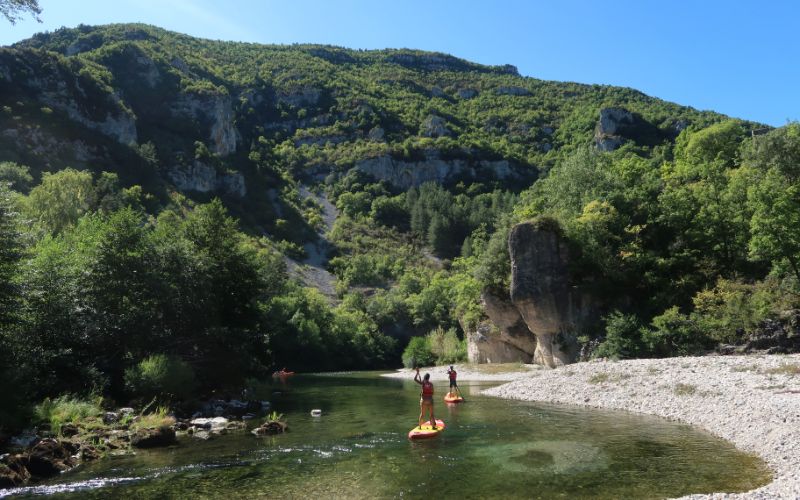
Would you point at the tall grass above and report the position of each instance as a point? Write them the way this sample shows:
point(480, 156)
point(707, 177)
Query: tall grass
point(156, 419)
point(66, 409)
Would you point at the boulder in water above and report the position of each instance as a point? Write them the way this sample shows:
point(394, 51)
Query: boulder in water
point(153, 438)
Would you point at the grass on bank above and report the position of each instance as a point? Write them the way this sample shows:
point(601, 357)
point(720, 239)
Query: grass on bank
point(158, 418)
point(66, 410)
point(684, 389)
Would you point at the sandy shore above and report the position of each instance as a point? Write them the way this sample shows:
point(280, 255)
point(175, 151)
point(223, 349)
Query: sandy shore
point(752, 401)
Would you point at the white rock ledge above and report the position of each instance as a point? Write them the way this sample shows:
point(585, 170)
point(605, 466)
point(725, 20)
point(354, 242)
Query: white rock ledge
point(752, 401)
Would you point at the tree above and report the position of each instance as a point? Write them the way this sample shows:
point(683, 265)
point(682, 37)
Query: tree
point(10, 253)
point(773, 196)
point(61, 199)
point(13, 10)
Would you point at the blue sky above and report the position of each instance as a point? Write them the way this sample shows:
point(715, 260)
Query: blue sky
point(737, 57)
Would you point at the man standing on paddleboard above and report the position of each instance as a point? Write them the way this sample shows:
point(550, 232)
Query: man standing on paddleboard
point(453, 384)
point(426, 398)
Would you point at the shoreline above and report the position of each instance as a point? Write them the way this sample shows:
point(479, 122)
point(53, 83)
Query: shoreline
point(752, 401)
point(471, 373)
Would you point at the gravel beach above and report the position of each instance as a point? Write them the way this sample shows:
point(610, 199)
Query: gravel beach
point(752, 401)
point(475, 373)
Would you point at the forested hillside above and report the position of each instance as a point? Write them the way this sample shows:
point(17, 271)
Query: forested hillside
point(164, 198)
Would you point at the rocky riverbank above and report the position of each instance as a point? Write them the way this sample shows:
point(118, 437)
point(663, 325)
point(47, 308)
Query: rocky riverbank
point(752, 401)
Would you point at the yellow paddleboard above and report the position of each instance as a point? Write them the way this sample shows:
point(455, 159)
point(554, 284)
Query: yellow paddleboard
point(426, 431)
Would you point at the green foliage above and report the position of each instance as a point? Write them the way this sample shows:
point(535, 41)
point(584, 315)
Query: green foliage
point(418, 353)
point(675, 334)
point(117, 266)
point(61, 199)
point(161, 376)
point(65, 410)
point(623, 337)
point(13, 10)
point(18, 176)
point(446, 346)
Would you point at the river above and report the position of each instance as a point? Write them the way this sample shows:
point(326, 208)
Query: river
point(358, 448)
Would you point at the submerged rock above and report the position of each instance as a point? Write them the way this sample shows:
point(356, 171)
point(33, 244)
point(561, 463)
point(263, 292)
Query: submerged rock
point(270, 428)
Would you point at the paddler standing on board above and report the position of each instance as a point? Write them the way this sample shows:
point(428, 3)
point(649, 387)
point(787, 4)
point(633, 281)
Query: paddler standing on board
point(426, 398)
point(453, 384)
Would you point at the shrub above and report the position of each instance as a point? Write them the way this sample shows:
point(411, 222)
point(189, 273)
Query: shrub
point(446, 347)
point(418, 353)
point(65, 409)
point(730, 309)
point(623, 337)
point(161, 376)
point(675, 334)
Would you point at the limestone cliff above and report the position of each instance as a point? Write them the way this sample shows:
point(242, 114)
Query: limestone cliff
point(78, 95)
point(204, 179)
point(214, 110)
point(405, 174)
point(503, 337)
point(540, 320)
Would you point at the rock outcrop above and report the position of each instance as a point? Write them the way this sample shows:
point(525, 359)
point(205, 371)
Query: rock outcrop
point(540, 321)
point(204, 179)
point(153, 438)
point(610, 131)
point(434, 126)
point(62, 88)
point(512, 90)
point(504, 337)
point(466, 93)
point(405, 174)
point(553, 310)
point(214, 111)
point(299, 96)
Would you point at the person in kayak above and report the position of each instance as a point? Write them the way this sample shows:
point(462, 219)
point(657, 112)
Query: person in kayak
point(426, 398)
point(453, 384)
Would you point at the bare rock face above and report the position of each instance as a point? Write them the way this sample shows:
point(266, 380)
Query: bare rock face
point(406, 174)
point(512, 90)
point(299, 96)
point(204, 178)
point(376, 134)
point(467, 93)
point(609, 133)
point(552, 310)
point(434, 126)
point(504, 337)
point(216, 112)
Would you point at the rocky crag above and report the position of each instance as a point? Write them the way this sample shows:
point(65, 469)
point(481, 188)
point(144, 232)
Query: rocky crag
point(539, 321)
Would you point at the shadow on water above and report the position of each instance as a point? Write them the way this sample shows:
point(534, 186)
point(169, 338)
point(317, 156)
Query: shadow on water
point(358, 448)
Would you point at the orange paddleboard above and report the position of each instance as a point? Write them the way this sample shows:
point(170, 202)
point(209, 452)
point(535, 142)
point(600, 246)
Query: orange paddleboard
point(425, 431)
point(452, 398)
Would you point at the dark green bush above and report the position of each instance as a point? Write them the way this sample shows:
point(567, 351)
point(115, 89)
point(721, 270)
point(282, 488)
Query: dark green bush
point(418, 353)
point(161, 376)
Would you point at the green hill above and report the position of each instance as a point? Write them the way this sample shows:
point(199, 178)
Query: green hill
point(387, 179)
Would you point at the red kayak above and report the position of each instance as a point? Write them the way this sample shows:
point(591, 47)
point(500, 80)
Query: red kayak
point(452, 398)
point(425, 431)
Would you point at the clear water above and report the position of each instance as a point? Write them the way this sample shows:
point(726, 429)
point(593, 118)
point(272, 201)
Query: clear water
point(358, 448)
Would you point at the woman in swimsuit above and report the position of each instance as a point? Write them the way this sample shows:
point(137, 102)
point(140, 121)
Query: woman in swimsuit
point(426, 398)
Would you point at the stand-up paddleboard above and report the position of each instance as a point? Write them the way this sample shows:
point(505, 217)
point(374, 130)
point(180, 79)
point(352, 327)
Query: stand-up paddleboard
point(452, 398)
point(425, 431)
